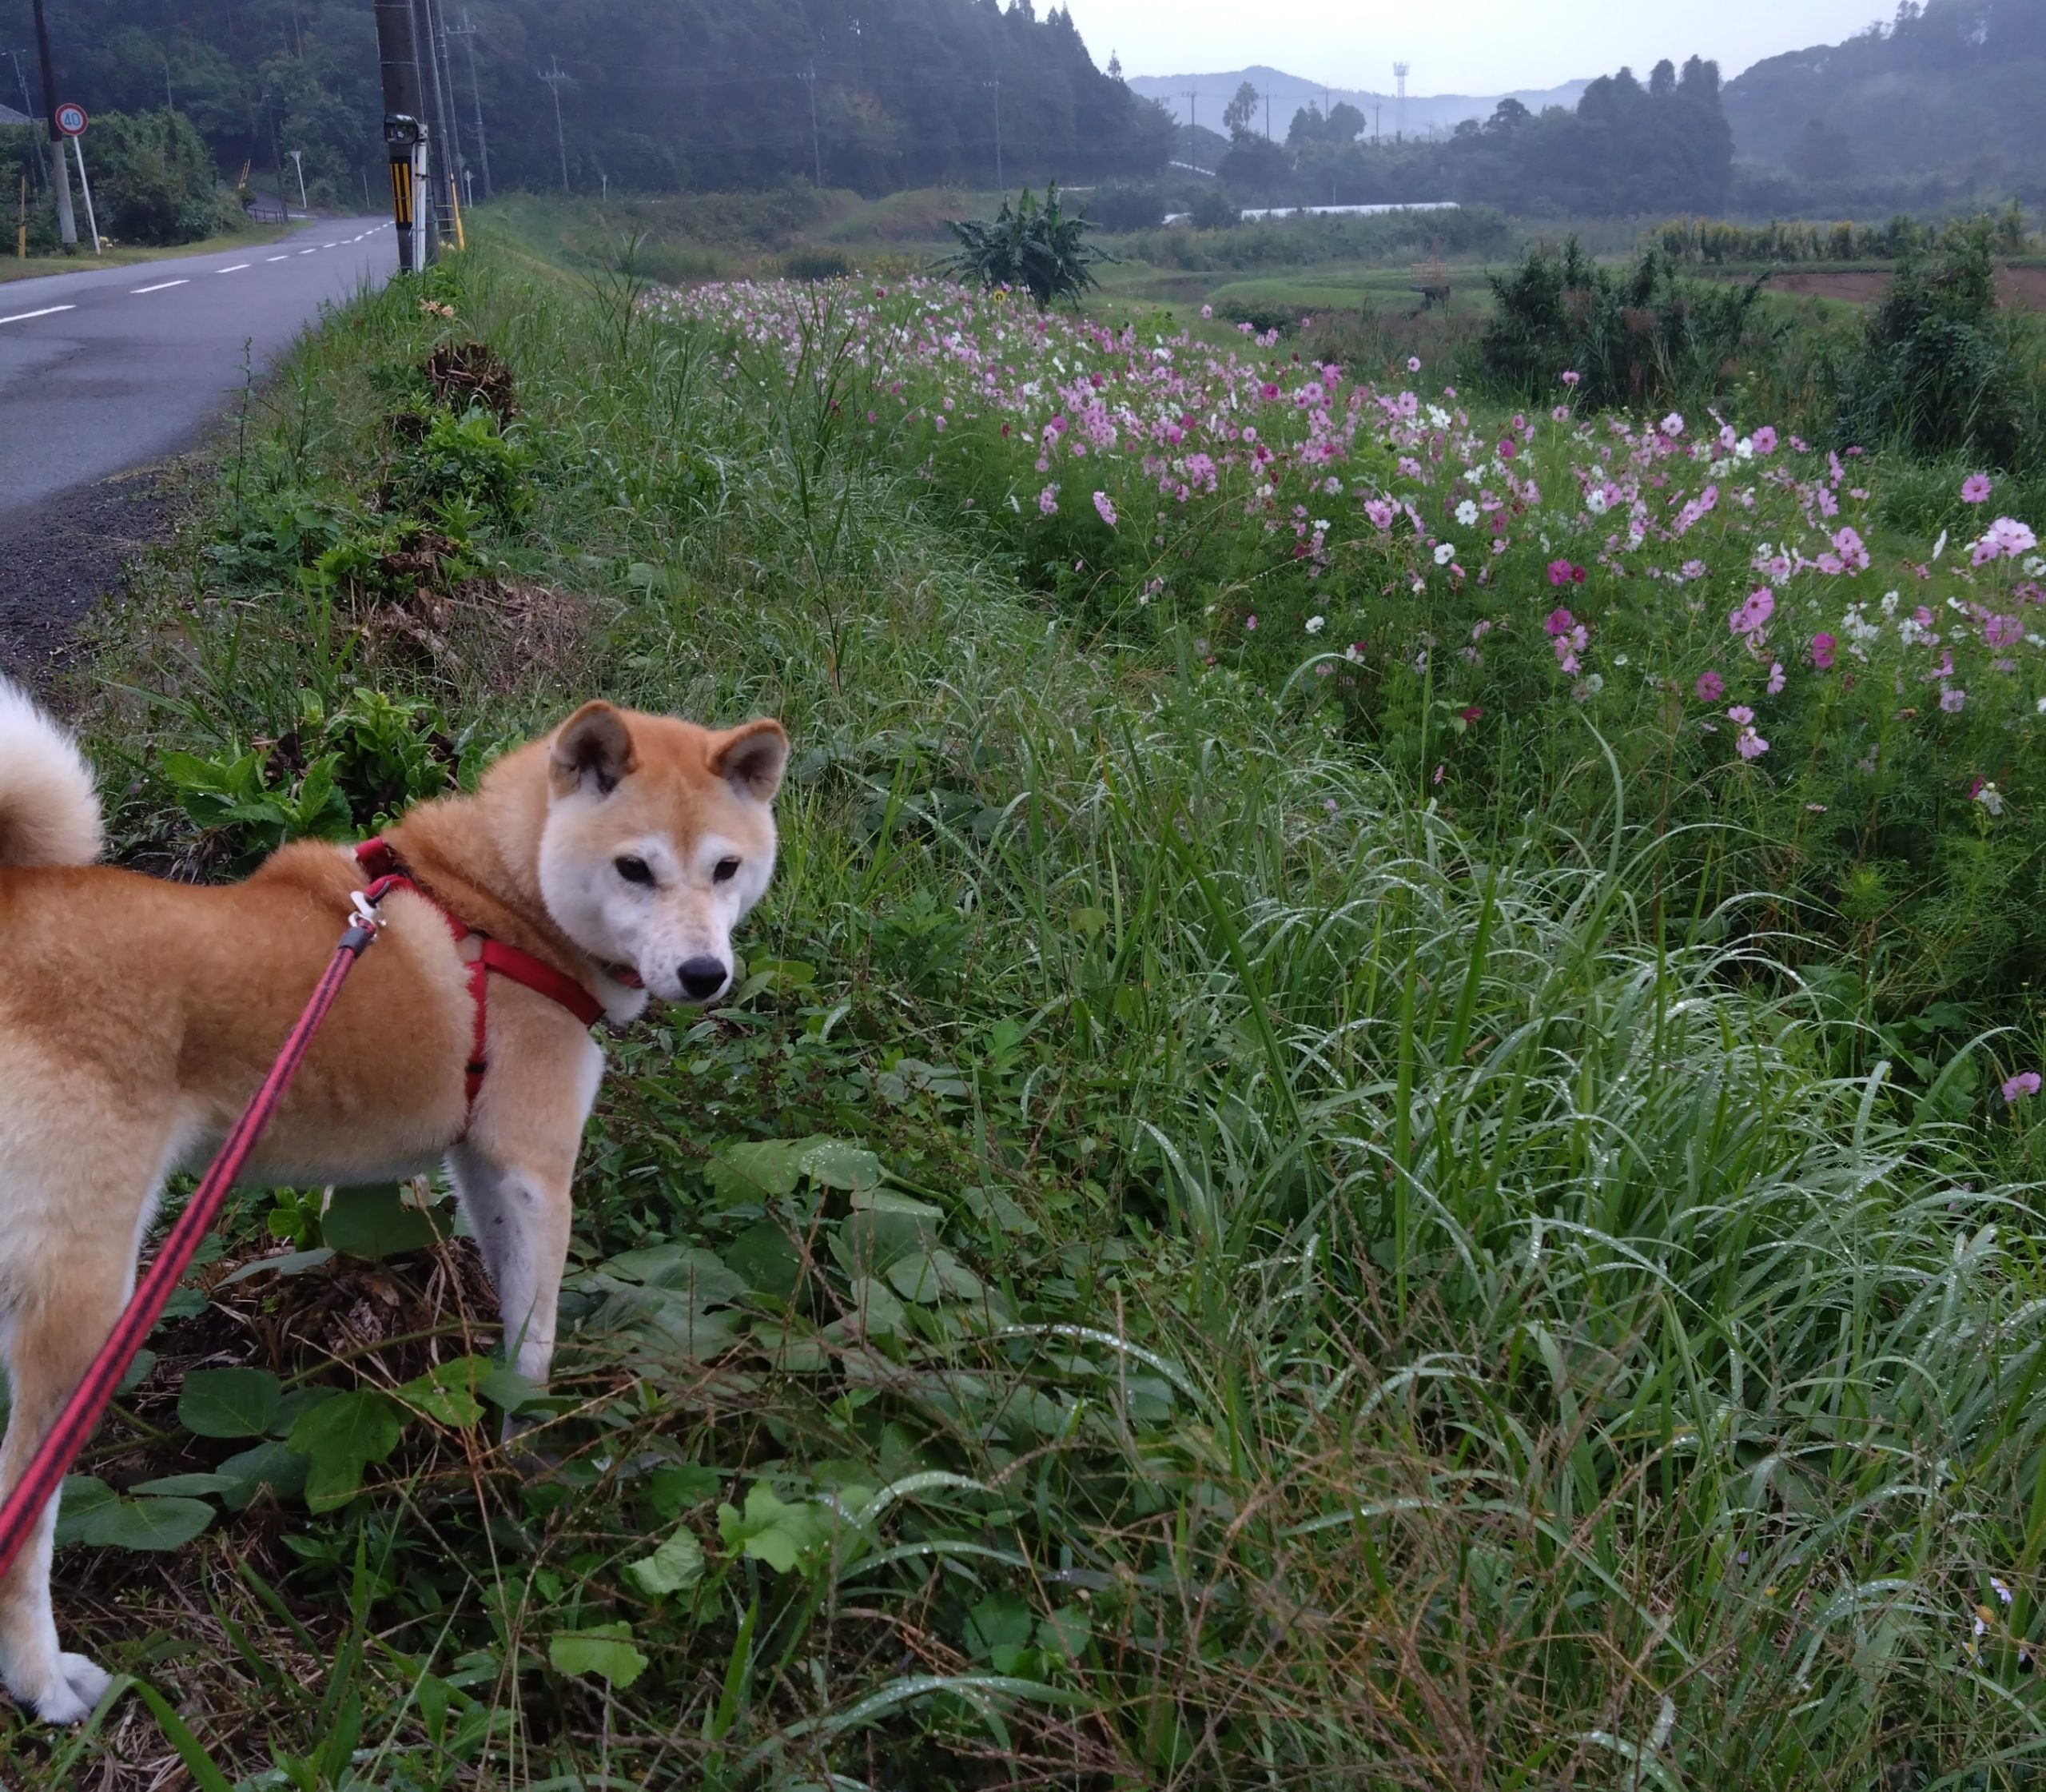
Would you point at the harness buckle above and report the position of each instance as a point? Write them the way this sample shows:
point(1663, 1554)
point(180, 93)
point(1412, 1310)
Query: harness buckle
point(365, 911)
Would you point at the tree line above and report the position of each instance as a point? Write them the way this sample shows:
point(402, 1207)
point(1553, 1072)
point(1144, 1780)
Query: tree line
point(1628, 148)
point(655, 95)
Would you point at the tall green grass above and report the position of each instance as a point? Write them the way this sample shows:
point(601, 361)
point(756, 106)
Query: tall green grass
point(1332, 1302)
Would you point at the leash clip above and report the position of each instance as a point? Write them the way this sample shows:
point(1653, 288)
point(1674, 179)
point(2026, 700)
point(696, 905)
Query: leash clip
point(365, 916)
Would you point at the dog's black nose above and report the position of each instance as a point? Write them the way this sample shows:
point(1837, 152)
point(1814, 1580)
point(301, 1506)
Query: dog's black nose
point(702, 978)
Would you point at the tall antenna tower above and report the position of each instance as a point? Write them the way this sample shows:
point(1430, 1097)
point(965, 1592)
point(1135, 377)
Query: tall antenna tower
point(1400, 71)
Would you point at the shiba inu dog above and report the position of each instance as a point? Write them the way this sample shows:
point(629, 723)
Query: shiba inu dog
point(604, 864)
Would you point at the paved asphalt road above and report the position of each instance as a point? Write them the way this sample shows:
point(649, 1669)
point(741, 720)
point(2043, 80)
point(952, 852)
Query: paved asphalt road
point(107, 369)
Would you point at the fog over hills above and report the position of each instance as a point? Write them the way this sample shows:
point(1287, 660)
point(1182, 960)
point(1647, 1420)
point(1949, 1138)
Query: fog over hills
point(1425, 114)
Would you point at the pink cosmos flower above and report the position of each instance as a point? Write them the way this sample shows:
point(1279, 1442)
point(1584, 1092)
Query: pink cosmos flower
point(1560, 621)
point(1413, 364)
point(1250, 622)
point(1751, 616)
point(1711, 687)
point(1764, 440)
point(1776, 678)
point(1561, 572)
point(1975, 489)
point(1750, 745)
point(1741, 713)
point(1380, 513)
point(1570, 377)
point(1104, 509)
point(1207, 311)
point(1560, 414)
point(2025, 1083)
point(1951, 699)
point(1048, 501)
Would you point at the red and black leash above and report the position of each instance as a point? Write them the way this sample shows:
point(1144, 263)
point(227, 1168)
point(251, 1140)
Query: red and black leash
point(54, 1456)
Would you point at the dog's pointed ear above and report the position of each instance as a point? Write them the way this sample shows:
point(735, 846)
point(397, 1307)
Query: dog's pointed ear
point(592, 750)
point(751, 759)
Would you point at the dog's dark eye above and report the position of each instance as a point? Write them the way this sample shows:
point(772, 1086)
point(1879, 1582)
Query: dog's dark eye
point(726, 869)
point(634, 871)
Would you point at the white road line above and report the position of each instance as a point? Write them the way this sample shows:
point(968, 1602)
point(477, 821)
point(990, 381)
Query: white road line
point(235, 269)
point(161, 286)
point(308, 252)
point(278, 258)
point(330, 245)
point(47, 311)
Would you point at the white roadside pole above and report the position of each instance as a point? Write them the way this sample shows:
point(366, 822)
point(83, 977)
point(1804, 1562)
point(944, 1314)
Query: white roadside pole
point(71, 120)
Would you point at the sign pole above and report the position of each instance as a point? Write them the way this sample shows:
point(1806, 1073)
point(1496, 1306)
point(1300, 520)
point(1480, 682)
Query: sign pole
point(92, 223)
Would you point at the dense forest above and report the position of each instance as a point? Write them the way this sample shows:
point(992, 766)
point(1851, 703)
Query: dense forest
point(1948, 89)
point(656, 95)
point(1628, 148)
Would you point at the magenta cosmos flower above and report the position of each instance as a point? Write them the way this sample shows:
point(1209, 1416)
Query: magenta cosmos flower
point(1711, 687)
point(1822, 650)
point(1105, 509)
point(1975, 489)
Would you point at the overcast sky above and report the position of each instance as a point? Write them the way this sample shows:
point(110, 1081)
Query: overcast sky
point(1456, 46)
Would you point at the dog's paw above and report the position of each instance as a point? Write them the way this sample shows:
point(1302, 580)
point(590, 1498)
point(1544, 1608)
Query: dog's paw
point(79, 1685)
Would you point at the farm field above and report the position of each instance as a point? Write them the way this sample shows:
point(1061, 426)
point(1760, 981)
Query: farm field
point(1381, 1131)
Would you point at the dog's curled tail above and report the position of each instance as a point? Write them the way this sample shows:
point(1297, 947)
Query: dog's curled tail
point(49, 808)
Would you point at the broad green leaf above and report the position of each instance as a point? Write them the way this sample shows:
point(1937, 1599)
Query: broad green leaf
point(790, 1344)
point(786, 1537)
point(674, 1567)
point(145, 1524)
point(687, 1269)
point(270, 1464)
point(339, 1440)
point(297, 1402)
point(229, 1403)
point(674, 1487)
point(447, 1394)
point(756, 1171)
point(78, 1499)
point(188, 1486)
point(1001, 1620)
point(137, 1371)
point(506, 1389)
point(881, 1314)
point(926, 1278)
point(378, 1222)
point(604, 1653)
point(766, 1259)
point(832, 1163)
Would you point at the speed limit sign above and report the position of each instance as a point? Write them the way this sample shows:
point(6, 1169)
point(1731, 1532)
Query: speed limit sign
point(71, 119)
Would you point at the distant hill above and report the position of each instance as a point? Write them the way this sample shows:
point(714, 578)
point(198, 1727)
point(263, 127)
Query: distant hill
point(1425, 114)
point(1952, 88)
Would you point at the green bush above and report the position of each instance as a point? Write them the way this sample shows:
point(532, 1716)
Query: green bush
point(1119, 206)
point(153, 180)
point(1934, 374)
point(1039, 247)
point(1640, 337)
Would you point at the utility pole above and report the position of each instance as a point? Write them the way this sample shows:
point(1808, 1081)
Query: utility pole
point(170, 104)
point(1268, 114)
point(67, 226)
point(996, 84)
point(433, 91)
point(404, 131)
point(28, 108)
point(298, 162)
point(1400, 70)
point(468, 33)
point(816, 147)
point(1192, 142)
point(554, 77)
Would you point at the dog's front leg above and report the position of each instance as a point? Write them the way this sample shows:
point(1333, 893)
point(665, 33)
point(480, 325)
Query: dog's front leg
point(520, 1213)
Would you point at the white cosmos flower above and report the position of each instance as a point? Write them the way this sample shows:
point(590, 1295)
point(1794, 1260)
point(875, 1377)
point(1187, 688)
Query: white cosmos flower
point(1466, 513)
point(1445, 553)
point(1594, 500)
point(1316, 624)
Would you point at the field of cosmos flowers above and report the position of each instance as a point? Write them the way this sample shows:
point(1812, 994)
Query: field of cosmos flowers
point(1498, 598)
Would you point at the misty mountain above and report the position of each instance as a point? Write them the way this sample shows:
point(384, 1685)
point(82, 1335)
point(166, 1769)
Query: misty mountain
point(1425, 114)
point(1951, 86)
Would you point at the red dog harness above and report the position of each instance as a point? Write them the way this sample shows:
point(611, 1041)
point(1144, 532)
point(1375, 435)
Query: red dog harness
point(380, 863)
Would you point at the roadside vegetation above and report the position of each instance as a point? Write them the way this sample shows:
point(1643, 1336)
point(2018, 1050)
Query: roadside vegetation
point(1336, 1163)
